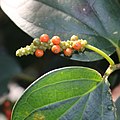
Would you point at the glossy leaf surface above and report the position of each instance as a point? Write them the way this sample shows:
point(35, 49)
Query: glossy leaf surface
point(96, 21)
point(65, 94)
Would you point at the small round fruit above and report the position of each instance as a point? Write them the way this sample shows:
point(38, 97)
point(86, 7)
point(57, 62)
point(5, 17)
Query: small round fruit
point(56, 40)
point(55, 49)
point(8, 114)
point(44, 38)
point(74, 38)
point(39, 53)
point(36, 42)
point(76, 45)
point(68, 52)
point(7, 104)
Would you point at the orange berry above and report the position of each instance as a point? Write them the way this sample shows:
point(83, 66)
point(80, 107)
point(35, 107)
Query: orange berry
point(76, 45)
point(44, 38)
point(39, 53)
point(56, 40)
point(55, 49)
point(68, 52)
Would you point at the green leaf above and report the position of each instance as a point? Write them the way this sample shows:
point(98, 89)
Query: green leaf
point(62, 94)
point(8, 69)
point(96, 21)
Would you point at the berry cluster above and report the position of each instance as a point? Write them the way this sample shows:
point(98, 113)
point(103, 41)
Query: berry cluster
point(40, 45)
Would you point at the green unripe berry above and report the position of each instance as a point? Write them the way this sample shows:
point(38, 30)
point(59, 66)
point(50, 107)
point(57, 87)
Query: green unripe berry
point(36, 42)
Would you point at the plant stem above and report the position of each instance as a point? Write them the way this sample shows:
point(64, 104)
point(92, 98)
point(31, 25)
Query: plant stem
point(100, 52)
point(110, 70)
point(118, 52)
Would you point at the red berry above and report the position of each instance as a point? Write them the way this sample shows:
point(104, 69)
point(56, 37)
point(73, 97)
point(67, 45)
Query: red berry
point(44, 38)
point(56, 40)
point(7, 104)
point(76, 45)
point(39, 53)
point(68, 52)
point(55, 49)
point(8, 114)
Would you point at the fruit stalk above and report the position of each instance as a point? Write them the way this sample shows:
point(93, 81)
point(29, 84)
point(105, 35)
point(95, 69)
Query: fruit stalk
point(100, 52)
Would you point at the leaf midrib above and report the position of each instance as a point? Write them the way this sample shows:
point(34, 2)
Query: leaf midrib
point(72, 80)
point(61, 101)
point(51, 104)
